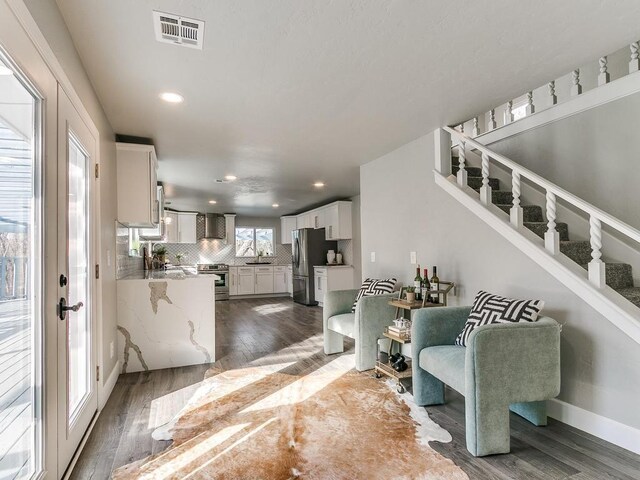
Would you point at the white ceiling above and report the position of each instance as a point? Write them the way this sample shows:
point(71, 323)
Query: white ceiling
point(287, 92)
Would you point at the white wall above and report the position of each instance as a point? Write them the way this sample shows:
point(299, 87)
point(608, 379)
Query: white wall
point(403, 210)
point(50, 22)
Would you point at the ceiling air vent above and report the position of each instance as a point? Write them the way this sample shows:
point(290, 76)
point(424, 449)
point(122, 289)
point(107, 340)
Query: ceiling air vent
point(171, 28)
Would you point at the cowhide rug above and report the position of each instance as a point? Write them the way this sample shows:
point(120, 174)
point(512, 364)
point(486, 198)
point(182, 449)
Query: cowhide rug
point(334, 423)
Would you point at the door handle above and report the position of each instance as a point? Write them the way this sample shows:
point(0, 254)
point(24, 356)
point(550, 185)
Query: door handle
point(63, 308)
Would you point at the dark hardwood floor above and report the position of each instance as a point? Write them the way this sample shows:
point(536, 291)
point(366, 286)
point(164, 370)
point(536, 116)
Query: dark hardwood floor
point(267, 330)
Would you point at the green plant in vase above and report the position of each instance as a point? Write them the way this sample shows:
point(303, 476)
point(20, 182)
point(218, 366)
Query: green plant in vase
point(411, 294)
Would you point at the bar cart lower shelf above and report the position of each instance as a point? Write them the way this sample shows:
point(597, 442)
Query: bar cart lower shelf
point(385, 368)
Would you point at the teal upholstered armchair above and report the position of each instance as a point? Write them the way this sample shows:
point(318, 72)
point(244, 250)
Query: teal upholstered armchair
point(365, 326)
point(504, 366)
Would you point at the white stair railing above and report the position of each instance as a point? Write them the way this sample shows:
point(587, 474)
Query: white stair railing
point(596, 216)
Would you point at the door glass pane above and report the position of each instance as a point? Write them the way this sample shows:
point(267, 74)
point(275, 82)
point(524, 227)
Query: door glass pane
point(20, 290)
point(78, 323)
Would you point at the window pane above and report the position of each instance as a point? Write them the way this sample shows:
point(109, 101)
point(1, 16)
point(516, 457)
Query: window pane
point(264, 241)
point(20, 316)
point(244, 242)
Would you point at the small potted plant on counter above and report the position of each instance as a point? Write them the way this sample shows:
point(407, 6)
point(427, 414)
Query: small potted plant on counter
point(411, 294)
point(179, 257)
point(160, 252)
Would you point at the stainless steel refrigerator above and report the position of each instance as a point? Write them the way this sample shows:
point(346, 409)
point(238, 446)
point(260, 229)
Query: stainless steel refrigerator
point(308, 248)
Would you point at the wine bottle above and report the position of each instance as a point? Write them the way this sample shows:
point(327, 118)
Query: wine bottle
point(417, 283)
point(435, 285)
point(426, 286)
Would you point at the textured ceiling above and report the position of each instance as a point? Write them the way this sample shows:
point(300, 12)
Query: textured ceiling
point(288, 92)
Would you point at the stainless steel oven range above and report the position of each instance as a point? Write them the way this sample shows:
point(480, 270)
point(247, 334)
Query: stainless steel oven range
point(222, 283)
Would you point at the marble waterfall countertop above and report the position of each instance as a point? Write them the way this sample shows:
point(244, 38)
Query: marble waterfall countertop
point(166, 318)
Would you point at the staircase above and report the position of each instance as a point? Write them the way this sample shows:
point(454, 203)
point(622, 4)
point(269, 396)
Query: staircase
point(605, 285)
point(618, 276)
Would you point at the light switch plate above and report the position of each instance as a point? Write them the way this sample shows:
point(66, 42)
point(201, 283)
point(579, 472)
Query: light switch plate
point(108, 257)
point(112, 350)
point(373, 257)
point(413, 258)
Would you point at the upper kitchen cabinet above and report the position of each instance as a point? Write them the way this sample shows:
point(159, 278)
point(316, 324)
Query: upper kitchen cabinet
point(287, 225)
point(157, 233)
point(337, 221)
point(138, 204)
point(181, 227)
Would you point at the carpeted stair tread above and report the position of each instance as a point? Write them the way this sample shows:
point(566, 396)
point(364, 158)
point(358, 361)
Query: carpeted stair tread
point(476, 183)
point(579, 251)
point(618, 275)
point(540, 228)
point(471, 171)
point(632, 294)
point(530, 213)
point(501, 197)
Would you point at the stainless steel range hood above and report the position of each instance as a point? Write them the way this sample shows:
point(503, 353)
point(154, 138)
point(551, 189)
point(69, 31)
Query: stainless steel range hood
point(212, 226)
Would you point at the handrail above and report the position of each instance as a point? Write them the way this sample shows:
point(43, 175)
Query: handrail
point(592, 210)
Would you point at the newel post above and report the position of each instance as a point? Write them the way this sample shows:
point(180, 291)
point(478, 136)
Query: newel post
point(442, 143)
point(485, 189)
point(597, 273)
point(551, 236)
point(516, 209)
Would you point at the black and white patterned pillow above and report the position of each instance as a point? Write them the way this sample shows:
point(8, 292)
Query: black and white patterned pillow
point(371, 287)
point(488, 308)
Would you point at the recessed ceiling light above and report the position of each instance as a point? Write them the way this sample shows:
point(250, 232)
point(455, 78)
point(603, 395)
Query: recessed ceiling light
point(5, 70)
point(231, 178)
point(172, 97)
point(318, 184)
point(275, 205)
point(212, 202)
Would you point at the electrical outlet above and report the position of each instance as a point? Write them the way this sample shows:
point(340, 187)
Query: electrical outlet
point(373, 257)
point(413, 258)
point(112, 349)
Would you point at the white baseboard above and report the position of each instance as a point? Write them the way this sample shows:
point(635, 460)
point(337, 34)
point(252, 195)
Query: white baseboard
point(106, 389)
point(602, 427)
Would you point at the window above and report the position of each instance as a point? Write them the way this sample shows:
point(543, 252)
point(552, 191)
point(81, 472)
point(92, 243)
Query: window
point(251, 242)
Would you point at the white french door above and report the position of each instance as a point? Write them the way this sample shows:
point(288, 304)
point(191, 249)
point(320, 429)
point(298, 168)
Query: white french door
point(77, 331)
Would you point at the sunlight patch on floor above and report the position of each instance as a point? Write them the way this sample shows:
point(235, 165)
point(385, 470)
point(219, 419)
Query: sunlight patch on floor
point(210, 390)
point(201, 448)
point(307, 386)
point(271, 308)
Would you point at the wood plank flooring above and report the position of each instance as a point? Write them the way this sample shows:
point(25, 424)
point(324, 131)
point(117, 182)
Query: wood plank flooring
point(262, 331)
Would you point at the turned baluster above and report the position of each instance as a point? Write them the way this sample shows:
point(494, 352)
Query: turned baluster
point(551, 237)
point(476, 127)
point(603, 76)
point(485, 190)
point(530, 109)
point(492, 120)
point(634, 64)
point(552, 93)
point(462, 158)
point(516, 209)
point(597, 274)
point(508, 113)
point(576, 88)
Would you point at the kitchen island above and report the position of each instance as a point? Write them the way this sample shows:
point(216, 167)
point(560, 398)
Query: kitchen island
point(165, 319)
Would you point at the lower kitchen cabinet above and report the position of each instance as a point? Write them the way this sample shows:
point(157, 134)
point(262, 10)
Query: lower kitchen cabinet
point(260, 280)
point(280, 280)
point(233, 281)
point(264, 280)
point(328, 279)
point(246, 281)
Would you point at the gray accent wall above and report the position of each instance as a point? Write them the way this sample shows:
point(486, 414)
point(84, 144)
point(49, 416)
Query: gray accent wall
point(402, 210)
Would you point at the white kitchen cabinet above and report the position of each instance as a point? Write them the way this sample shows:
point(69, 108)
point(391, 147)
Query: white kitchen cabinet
point(157, 233)
point(233, 281)
point(246, 281)
point(318, 217)
point(337, 220)
point(290, 280)
point(180, 227)
point(137, 180)
point(187, 222)
point(328, 279)
point(305, 220)
point(280, 279)
point(264, 280)
point(287, 225)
